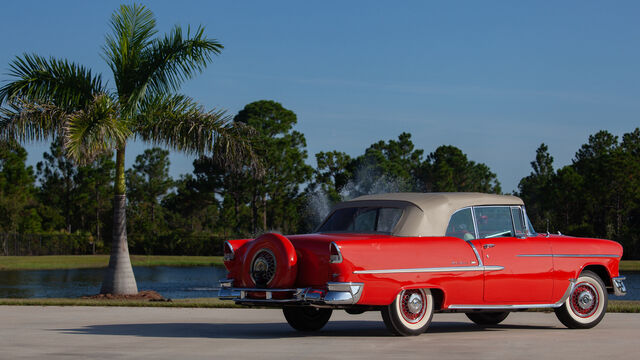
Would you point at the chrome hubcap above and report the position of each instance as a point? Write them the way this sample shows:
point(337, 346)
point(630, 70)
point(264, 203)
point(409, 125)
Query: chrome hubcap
point(585, 300)
point(263, 267)
point(414, 304)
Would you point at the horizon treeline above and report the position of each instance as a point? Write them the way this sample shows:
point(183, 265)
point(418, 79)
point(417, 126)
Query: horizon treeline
point(597, 195)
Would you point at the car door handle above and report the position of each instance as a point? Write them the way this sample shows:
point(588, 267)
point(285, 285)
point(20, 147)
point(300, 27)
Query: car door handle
point(487, 246)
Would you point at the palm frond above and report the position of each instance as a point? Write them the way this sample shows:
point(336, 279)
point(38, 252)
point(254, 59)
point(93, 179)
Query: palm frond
point(28, 121)
point(177, 122)
point(93, 131)
point(132, 27)
point(66, 85)
point(178, 57)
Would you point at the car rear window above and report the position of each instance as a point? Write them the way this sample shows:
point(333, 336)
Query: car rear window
point(362, 220)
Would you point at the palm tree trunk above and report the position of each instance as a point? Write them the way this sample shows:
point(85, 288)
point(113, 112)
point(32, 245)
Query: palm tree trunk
point(119, 278)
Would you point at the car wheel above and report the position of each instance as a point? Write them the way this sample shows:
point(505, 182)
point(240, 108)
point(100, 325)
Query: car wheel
point(410, 313)
point(306, 318)
point(586, 304)
point(487, 318)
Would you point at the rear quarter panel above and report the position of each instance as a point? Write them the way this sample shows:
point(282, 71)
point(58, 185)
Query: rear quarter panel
point(410, 253)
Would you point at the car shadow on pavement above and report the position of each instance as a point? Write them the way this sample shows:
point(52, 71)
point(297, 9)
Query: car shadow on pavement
point(271, 330)
point(447, 327)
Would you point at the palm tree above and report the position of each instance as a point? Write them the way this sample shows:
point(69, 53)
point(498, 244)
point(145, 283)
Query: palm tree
point(51, 97)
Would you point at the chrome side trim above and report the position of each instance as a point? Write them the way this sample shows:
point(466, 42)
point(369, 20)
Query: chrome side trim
point(570, 255)
point(431, 270)
point(572, 283)
point(563, 299)
point(478, 257)
point(500, 307)
point(619, 289)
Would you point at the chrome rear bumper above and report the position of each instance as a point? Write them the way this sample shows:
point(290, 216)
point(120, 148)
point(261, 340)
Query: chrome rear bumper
point(337, 293)
point(618, 286)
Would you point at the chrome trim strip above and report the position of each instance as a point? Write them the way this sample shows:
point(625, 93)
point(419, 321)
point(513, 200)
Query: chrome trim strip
point(500, 307)
point(431, 270)
point(478, 257)
point(570, 255)
point(475, 224)
point(530, 232)
point(572, 284)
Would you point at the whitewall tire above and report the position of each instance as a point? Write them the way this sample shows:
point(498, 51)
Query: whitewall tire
point(410, 313)
point(586, 304)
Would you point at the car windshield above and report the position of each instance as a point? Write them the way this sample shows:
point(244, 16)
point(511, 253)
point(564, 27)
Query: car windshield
point(362, 220)
point(530, 226)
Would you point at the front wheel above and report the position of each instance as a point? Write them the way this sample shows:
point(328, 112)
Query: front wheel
point(306, 318)
point(410, 313)
point(586, 304)
point(487, 318)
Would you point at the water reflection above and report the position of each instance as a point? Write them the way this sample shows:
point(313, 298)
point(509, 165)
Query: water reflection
point(171, 282)
point(632, 282)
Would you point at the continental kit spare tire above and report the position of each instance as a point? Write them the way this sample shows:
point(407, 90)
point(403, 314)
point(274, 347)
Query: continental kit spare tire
point(270, 262)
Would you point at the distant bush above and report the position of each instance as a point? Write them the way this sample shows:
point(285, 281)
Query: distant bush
point(48, 244)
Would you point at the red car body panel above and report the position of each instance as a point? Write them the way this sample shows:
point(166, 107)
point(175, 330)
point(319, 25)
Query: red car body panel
point(524, 279)
point(382, 253)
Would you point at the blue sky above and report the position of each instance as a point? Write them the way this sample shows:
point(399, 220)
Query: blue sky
point(494, 78)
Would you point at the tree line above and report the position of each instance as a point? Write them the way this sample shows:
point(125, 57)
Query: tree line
point(598, 194)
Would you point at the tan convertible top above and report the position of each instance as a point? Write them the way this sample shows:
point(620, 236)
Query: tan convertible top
point(430, 213)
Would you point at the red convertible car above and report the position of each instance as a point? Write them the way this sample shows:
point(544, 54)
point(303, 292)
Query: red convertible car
point(410, 255)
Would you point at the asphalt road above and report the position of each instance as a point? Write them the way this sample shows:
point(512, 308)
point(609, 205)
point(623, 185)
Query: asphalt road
point(174, 333)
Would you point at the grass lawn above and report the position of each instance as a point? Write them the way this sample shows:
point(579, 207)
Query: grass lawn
point(98, 261)
point(630, 265)
point(184, 303)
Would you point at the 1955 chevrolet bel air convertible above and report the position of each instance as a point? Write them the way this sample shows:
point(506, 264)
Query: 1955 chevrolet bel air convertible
point(409, 255)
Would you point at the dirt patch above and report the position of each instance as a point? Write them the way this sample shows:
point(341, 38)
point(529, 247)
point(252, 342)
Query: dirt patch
point(148, 295)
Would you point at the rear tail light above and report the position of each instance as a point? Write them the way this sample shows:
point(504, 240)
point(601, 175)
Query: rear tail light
point(335, 256)
point(228, 251)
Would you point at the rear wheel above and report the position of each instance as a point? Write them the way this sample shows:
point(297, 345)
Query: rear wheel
point(586, 304)
point(487, 318)
point(306, 318)
point(410, 313)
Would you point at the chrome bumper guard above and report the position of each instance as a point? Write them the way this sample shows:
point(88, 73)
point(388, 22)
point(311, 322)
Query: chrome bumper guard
point(337, 293)
point(618, 286)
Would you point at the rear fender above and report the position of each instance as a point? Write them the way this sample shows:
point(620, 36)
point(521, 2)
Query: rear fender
point(234, 264)
point(407, 254)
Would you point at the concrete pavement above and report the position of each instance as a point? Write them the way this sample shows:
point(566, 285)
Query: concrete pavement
point(170, 333)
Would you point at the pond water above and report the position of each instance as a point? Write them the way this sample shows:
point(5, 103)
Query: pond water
point(172, 282)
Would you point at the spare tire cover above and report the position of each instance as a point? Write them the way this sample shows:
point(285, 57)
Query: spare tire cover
point(270, 262)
